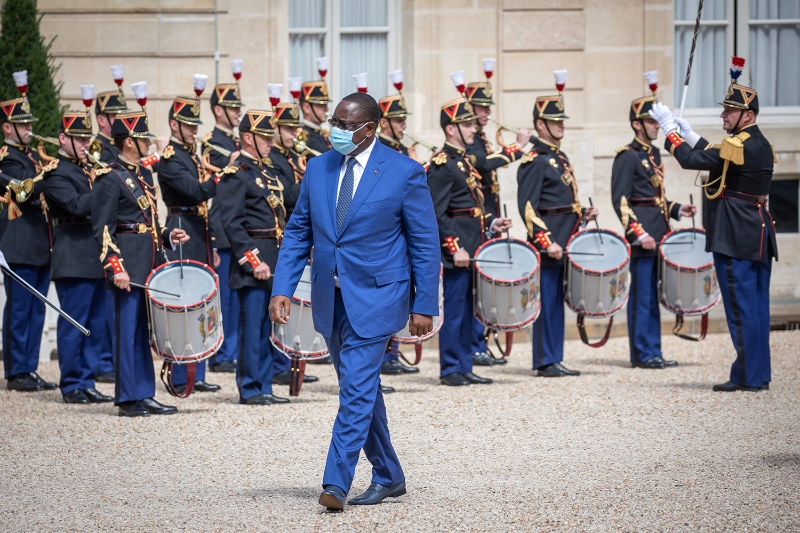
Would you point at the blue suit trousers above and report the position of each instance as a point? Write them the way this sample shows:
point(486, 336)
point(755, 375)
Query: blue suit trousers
point(361, 420)
point(744, 285)
point(256, 356)
point(458, 327)
point(548, 329)
point(78, 355)
point(644, 315)
point(135, 378)
point(229, 302)
point(23, 320)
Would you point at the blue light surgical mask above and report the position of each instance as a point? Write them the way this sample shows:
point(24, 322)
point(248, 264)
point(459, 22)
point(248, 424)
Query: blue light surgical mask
point(342, 140)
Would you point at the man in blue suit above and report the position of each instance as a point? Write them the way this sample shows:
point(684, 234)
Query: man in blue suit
point(367, 211)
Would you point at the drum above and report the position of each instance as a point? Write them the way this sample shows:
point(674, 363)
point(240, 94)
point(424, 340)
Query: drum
point(404, 336)
point(597, 277)
point(507, 285)
point(185, 328)
point(686, 277)
point(298, 339)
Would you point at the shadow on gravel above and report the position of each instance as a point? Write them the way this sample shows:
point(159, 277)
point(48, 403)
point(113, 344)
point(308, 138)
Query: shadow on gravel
point(782, 460)
point(296, 493)
point(691, 386)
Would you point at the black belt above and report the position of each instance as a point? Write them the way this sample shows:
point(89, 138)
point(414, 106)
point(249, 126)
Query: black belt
point(550, 211)
point(469, 212)
point(743, 196)
point(133, 228)
point(644, 202)
point(183, 210)
point(65, 221)
point(269, 233)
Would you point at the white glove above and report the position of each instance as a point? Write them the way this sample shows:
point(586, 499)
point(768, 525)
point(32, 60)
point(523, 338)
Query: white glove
point(685, 131)
point(664, 116)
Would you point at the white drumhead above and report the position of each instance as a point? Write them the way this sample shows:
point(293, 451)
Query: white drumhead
point(613, 250)
point(686, 248)
point(522, 264)
point(303, 290)
point(197, 284)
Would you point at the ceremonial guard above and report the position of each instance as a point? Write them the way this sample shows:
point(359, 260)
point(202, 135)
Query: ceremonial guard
point(25, 244)
point(130, 241)
point(739, 228)
point(547, 197)
point(77, 273)
point(639, 198)
point(106, 107)
point(463, 226)
point(250, 197)
point(226, 105)
point(186, 188)
point(314, 105)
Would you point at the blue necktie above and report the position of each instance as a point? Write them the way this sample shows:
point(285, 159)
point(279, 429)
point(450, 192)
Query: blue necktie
point(345, 194)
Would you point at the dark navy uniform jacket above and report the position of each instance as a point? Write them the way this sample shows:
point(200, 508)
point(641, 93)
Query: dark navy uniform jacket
point(250, 197)
point(487, 162)
point(456, 191)
point(110, 152)
point(394, 144)
point(180, 173)
point(286, 165)
point(738, 222)
point(68, 191)
point(547, 198)
point(316, 141)
point(223, 139)
point(26, 239)
point(637, 193)
point(125, 221)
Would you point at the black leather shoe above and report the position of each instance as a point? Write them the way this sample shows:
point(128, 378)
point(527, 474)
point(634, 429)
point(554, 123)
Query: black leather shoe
point(454, 380)
point(501, 361)
point(43, 385)
point(202, 386)
point(386, 389)
point(156, 408)
point(108, 377)
point(730, 386)
point(766, 386)
point(376, 493)
point(333, 498)
point(22, 383)
point(482, 359)
point(555, 370)
point(655, 362)
point(95, 396)
point(76, 396)
point(265, 399)
point(394, 367)
point(282, 378)
point(228, 367)
point(132, 409)
point(324, 361)
point(477, 380)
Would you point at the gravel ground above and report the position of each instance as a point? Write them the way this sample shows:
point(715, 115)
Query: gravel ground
point(615, 449)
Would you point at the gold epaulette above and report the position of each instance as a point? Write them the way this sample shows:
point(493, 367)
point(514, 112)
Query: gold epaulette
point(51, 166)
point(530, 156)
point(623, 148)
point(227, 170)
point(169, 151)
point(267, 161)
point(732, 148)
point(440, 159)
point(207, 137)
point(101, 171)
point(3, 152)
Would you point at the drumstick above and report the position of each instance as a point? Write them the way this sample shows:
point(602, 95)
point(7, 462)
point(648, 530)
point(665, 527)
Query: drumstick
point(596, 223)
point(694, 235)
point(508, 232)
point(475, 260)
point(138, 286)
point(585, 253)
point(180, 249)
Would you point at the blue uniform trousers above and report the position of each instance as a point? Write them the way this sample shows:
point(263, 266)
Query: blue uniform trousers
point(744, 286)
point(229, 302)
point(548, 329)
point(105, 363)
point(23, 320)
point(79, 355)
point(644, 315)
point(458, 327)
point(256, 356)
point(133, 362)
point(478, 338)
point(179, 373)
point(361, 420)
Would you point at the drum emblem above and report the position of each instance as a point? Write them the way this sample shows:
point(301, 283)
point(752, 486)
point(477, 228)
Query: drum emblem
point(709, 284)
point(208, 324)
point(617, 286)
point(528, 295)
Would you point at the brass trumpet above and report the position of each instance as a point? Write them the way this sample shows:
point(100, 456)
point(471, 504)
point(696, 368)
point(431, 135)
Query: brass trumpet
point(94, 159)
point(420, 142)
point(40, 149)
point(223, 151)
point(50, 140)
point(500, 128)
point(302, 147)
point(21, 189)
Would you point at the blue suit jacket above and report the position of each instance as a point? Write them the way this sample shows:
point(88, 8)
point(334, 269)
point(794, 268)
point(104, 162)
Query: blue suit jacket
point(389, 244)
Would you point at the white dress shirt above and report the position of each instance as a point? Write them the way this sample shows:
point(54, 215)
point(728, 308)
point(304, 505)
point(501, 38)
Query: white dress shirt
point(358, 169)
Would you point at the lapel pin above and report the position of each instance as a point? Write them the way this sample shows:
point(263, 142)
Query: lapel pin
point(376, 171)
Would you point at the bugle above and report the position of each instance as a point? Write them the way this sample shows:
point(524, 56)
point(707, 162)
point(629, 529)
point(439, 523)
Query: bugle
point(50, 140)
point(221, 150)
point(420, 142)
point(40, 149)
point(94, 160)
point(302, 147)
point(500, 128)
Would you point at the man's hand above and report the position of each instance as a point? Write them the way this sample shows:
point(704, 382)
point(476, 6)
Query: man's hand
point(461, 258)
point(161, 143)
point(122, 281)
point(648, 243)
point(420, 325)
point(262, 272)
point(215, 258)
point(555, 251)
point(685, 131)
point(523, 136)
point(663, 115)
point(178, 236)
point(688, 210)
point(276, 305)
point(501, 224)
point(590, 213)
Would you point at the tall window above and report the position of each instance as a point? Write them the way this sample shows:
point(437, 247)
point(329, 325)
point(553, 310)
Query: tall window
point(356, 35)
point(765, 32)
